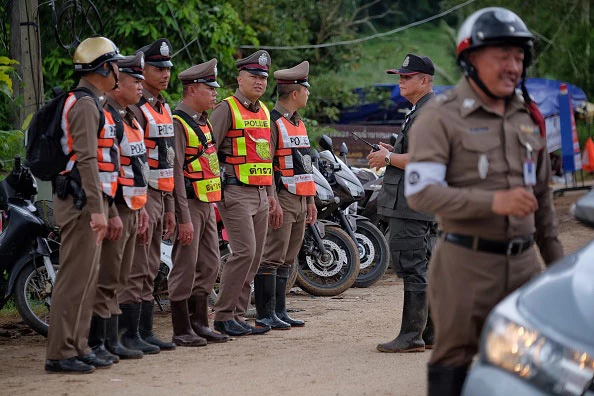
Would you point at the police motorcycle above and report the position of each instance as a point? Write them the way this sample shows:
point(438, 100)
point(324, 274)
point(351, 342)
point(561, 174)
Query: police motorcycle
point(29, 245)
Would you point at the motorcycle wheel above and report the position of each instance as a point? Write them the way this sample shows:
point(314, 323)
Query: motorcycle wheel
point(374, 253)
point(332, 276)
point(32, 295)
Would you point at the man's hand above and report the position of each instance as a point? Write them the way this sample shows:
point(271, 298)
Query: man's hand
point(114, 228)
point(271, 204)
point(377, 158)
point(387, 146)
point(185, 233)
point(517, 202)
point(98, 225)
point(168, 225)
point(312, 214)
point(276, 218)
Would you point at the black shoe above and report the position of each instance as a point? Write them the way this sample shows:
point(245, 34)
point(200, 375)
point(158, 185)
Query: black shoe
point(104, 354)
point(145, 327)
point(72, 366)
point(280, 299)
point(128, 325)
point(92, 360)
point(264, 287)
point(254, 330)
point(113, 344)
point(230, 327)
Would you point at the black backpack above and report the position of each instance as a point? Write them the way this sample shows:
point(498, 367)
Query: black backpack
point(45, 156)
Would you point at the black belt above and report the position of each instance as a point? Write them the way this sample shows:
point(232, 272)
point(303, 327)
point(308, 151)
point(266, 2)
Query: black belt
point(513, 247)
point(233, 181)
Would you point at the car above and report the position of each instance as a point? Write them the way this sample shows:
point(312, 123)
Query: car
point(540, 339)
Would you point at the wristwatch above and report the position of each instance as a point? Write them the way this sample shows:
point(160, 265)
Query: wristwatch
point(387, 158)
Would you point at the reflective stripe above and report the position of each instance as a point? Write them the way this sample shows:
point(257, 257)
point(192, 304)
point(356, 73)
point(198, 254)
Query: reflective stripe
point(419, 175)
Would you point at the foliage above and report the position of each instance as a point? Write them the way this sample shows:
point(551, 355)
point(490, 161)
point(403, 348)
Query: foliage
point(6, 70)
point(11, 144)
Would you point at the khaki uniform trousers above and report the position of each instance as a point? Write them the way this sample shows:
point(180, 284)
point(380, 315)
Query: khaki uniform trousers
point(195, 266)
point(283, 244)
point(115, 263)
point(74, 292)
point(147, 258)
point(464, 286)
point(244, 211)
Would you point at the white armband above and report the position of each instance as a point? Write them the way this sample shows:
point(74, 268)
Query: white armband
point(419, 175)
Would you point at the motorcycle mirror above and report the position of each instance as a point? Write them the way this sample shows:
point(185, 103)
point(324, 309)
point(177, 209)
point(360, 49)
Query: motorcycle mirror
point(326, 142)
point(344, 150)
point(315, 157)
point(393, 139)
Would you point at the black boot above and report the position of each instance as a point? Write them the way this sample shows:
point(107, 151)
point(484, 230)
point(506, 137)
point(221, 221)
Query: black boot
point(128, 325)
point(97, 334)
point(444, 380)
point(145, 327)
point(113, 344)
point(429, 332)
point(183, 335)
point(264, 286)
point(198, 305)
point(231, 327)
point(282, 276)
point(414, 318)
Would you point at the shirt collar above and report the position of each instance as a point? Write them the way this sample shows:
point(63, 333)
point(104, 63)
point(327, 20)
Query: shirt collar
point(125, 113)
point(255, 107)
point(101, 97)
point(199, 118)
point(471, 101)
point(153, 100)
point(294, 117)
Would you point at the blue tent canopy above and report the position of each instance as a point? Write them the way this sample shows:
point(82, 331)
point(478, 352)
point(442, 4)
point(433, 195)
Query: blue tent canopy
point(543, 91)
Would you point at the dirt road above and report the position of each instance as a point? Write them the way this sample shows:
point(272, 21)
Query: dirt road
point(334, 354)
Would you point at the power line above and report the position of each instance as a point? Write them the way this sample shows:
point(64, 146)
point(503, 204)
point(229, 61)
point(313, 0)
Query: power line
point(373, 36)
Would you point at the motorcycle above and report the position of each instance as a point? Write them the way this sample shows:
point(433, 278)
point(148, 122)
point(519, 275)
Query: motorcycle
point(373, 249)
point(29, 245)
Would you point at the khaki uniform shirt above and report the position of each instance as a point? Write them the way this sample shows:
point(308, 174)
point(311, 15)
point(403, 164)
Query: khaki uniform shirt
point(462, 152)
point(221, 121)
point(179, 192)
point(158, 103)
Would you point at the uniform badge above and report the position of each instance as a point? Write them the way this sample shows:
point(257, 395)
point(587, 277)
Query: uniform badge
point(213, 163)
point(263, 60)
point(215, 71)
point(468, 103)
point(170, 156)
point(529, 129)
point(406, 62)
point(142, 62)
point(164, 49)
point(306, 160)
point(483, 166)
point(145, 171)
point(262, 147)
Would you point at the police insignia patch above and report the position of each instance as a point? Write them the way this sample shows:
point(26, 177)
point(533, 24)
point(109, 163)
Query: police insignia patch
point(170, 156)
point(213, 163)
point(263, 60)
point(215, 71)
point(145, 171)
point(306, 160)
point(262, 147)
point(164, 49)
point(405, 63)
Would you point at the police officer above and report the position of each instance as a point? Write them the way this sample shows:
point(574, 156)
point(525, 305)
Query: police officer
point(118, 247)
point(241, 126)
point(154, 116)
point(82, 227)
point(409, 230)
point(296, 189)
point(197, 185)
point(479, 162)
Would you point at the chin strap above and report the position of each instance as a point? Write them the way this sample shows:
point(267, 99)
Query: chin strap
point(106, 73)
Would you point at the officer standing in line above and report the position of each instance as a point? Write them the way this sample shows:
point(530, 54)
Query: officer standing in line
point(118, 247)
point(295, 191)
point(479, 162)
point(197, 185)
point(409, 230)
point(241, 127)
point(154, 116)
point(82, 227)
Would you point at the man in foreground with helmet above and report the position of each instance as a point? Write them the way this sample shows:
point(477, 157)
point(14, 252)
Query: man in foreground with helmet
point(83, 228)
point(119, 245)
point(295, 191)
point(241, 128)
point(154, 116)
point(195, 253)
point(479, 162)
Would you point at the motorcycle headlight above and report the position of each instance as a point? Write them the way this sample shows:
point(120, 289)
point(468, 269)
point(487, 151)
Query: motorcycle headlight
point(525, 352)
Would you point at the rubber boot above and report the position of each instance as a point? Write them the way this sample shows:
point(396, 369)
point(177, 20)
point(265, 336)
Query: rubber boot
point(264, 288)
point(145, 327)
point(429, 332)
point(444, 380)
point(113, 344)
point(198, 305)
point(128, 328)
point(97, 340)
point(414, 318)
point(282, 275)
point(183, 335)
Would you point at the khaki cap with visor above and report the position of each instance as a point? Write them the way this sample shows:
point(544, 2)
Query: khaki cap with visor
point(295, 75)
point(205, 73)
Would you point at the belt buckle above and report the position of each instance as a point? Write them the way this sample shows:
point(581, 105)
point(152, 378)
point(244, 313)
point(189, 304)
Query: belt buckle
point(510, 247)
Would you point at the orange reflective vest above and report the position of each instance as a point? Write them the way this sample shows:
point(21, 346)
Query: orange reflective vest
point(250, 136)
point(292, 159)
point(201, 165)
point(107, 149)
point(158, 138)
point(134, 170)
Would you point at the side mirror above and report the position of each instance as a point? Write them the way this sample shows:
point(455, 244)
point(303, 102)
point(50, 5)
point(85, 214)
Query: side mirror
point(393, 139)
point(326, 142)
point(315, 157)
point(344, 150)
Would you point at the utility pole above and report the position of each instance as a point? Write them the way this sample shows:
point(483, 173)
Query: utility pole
point(25, 48)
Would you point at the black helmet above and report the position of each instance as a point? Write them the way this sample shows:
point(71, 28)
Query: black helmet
point(492, 26)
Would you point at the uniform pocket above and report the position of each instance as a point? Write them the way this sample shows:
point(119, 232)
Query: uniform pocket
point(476, 151)
point(535, 141)
point(388, 195)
